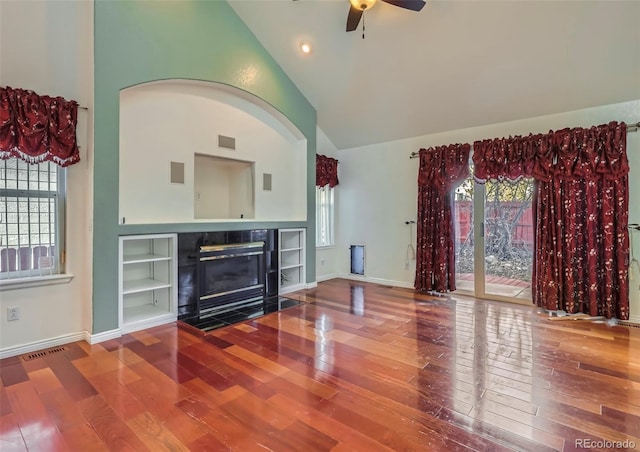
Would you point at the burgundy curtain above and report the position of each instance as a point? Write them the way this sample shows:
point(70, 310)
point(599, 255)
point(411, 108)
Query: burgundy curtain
point(441, 169)
point(37, 128)
point(326, 171)
point(582, 241)
point(581, 209)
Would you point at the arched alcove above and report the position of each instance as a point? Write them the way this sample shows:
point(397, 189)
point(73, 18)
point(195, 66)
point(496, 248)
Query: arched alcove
point(175, 168)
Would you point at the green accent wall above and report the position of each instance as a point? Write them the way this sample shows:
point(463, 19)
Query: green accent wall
point(143, 41)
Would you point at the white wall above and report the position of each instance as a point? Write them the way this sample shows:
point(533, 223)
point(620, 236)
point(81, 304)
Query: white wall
point(223, 188)
point(211, 185)
point(243, 184)
point(160, 123)
point(378, 189)
point(48, 47)
point(327, 257)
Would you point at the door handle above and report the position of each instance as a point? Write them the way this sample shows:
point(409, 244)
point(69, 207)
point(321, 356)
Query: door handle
point(482, 229)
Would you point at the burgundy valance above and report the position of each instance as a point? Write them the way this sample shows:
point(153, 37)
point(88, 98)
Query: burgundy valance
point(598, 151)
point(443, 167)
point(37, 128)
point(326, 171)
point(505, 158)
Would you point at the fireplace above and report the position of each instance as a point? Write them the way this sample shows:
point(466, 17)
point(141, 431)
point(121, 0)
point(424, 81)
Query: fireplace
point(225, 270)
point(230, 275)
point(225, 277)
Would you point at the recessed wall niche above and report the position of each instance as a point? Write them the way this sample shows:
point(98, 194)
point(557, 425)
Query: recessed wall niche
point(181, 121)
point(223, 188)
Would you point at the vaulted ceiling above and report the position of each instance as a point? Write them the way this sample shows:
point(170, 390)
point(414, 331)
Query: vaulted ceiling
point(455, 64)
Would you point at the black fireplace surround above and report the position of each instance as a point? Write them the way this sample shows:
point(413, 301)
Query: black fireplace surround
point(226, 273)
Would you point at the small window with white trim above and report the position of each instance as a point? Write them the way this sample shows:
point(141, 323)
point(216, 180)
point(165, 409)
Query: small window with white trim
point(31, 218)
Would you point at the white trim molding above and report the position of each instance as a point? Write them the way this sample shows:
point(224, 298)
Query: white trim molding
point(34, 281)
point(41, 345)
point(634, 319)
point(384, 282)
point(93, 339)
point(327, 277)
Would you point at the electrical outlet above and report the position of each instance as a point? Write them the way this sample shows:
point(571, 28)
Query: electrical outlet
point(13, 313)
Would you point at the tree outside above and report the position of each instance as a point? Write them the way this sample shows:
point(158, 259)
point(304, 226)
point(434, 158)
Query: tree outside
point(508, 228)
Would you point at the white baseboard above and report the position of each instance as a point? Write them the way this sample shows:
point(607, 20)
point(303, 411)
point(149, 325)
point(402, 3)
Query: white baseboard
point(147, 323)
point(327, 277)
point(634, 319)
point(60, 340)
point(384, 282)
point(311, 285)
point(41, 345)
point(101, 337)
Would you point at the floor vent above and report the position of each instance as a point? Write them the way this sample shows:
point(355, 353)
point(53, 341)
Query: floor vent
point(627, 323)
point(42, 353)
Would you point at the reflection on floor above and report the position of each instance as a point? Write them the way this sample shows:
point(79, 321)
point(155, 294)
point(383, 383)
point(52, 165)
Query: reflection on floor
point(354, 366)
point(496, 285)
point(230, 316)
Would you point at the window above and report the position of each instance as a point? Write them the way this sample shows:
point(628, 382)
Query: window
point(324, 216)
point(31, 218)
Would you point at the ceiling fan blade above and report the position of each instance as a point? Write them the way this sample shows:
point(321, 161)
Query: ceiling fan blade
point(353, 19)
point(413, 5)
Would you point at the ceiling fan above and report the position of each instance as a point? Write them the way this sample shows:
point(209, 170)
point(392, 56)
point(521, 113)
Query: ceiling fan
point(358, 7)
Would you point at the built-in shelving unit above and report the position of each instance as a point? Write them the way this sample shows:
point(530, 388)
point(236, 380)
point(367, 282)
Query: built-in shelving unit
point(291, 262)
point(147, 281)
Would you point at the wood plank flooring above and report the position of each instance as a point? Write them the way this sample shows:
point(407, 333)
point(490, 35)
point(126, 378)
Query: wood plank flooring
point(355, 367)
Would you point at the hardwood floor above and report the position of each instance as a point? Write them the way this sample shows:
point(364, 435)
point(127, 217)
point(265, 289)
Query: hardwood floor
point(355, 367)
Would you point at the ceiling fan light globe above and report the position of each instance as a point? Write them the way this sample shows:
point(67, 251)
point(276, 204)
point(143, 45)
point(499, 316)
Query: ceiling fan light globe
point(363, 4)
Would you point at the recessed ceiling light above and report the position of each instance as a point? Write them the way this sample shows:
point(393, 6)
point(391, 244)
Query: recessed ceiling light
point(305, 46)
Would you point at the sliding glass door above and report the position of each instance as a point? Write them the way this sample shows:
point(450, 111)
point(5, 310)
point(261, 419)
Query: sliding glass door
point(465, 235)
point(508, 238)
point(494, 239)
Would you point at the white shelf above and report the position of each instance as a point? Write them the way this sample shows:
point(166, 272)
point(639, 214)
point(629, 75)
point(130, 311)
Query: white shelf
point(143, 313)
point(291, 260)
point(142, 285)
point(141, 258)
point(290, 249)
point(147, 281)
point(291, 238)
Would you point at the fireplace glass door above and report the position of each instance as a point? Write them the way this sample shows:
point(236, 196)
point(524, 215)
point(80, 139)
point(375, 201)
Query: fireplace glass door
point(230, 275)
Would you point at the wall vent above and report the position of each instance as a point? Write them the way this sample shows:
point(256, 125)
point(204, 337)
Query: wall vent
point(226, 142)
point(627, 323)
point(42, 353)
point(177, 172)
point(266, 181)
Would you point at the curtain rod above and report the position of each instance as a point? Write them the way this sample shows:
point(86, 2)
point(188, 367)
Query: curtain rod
point(630, 128)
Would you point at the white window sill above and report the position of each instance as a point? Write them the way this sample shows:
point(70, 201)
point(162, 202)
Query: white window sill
point(325, 247)
point(34, 281)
